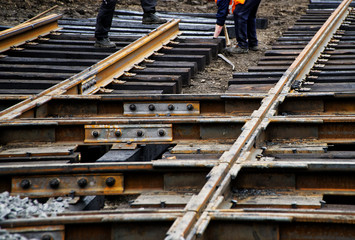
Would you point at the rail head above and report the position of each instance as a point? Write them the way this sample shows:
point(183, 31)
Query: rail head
point(90, 80)
point(29, 31)
point(250, 130)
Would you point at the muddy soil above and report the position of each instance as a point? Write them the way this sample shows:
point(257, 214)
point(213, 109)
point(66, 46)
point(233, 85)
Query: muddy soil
point(281, 14)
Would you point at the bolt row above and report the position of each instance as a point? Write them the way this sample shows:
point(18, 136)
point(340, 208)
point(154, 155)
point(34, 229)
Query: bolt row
point(152, 107)
point(55, 183)
point(139, 133)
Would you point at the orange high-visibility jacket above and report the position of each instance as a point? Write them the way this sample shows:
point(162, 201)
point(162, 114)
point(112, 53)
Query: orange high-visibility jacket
point(232, 4)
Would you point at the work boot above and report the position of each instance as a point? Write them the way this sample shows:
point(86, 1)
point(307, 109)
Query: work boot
point(151, 18)
point(236, 50)
point(104, 43)
point(254, 48)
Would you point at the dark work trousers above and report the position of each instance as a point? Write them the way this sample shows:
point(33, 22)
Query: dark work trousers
point(245, 23)
point(106, 11)
point(222, 12)
point(148, 6)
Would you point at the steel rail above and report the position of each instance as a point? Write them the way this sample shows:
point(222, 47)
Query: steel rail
point(232, 159)
point(109, 217)
point(162, 105)
point(83, 130)
point(18, 35)
point(99, 75)
point(177, 129)
point(206, 105)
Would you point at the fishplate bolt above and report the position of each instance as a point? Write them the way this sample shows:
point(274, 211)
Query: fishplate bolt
point(110, 181)
point(95, 134)
point(171, 107)
point(25, 184)
point(132, 107)
point(151, 107)
point(82, 182)
point(54, 183)
point(46, 237)
point(118, 133)
point(140, 133)
point(161, 132)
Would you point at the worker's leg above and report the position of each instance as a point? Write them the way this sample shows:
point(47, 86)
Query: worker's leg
point(252, 37)
point(148, 6)
point(241, 14)
point(104, 18)
point(149, 16)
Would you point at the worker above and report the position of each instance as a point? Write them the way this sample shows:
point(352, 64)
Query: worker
point(105, 16)
point(225, 7)
point(245, 27)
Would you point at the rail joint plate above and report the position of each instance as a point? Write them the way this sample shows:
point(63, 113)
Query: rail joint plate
point(128, 133)
point(161, 109)
point(73, 184)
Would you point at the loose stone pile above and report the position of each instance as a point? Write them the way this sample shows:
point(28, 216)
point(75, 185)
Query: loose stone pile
point(5, 235)
point(12, 207)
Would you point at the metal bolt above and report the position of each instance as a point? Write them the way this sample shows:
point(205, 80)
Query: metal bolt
point(162, 204)
point(110, 181)
point(190, 107)
point(72, 193)
point(54, 183)
point(25, 184)
point(46, 237)
point(161, 132)
point(132, 107)
point(95, 134)
point(234, 203)
point(140, 133)
point(118, 133)
point(171, 107)
point(151, 107)
point(82, 182)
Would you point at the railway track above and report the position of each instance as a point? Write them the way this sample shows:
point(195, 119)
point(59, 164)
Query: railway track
point(272, 158)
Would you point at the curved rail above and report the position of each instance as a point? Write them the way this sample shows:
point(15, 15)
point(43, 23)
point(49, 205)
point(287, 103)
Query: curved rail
point(25, 32)
point(203, 209)
point(99, 75)
point(232, 160)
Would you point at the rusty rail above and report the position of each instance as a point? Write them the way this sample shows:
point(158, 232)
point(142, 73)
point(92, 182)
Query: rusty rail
point(232, 160)
point(25, 32)
point(92, 79)
point(305, 173)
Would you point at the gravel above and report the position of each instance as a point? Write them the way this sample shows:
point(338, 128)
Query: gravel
point(5, 235)
point(13, 207)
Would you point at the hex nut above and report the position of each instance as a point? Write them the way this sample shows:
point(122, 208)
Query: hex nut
point(190, 107)
point(118, 133)
point(95, 134)
point(110, 181)
point(25, 184)
point(54, 183)
point(151, 107)
point(161, 132)
point(82, 182)
point(171, 107)
point(140, 133)
point(46, 237)
point(133, 107)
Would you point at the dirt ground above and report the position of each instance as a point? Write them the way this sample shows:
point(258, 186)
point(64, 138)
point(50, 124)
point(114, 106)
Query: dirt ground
point(281, 14)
